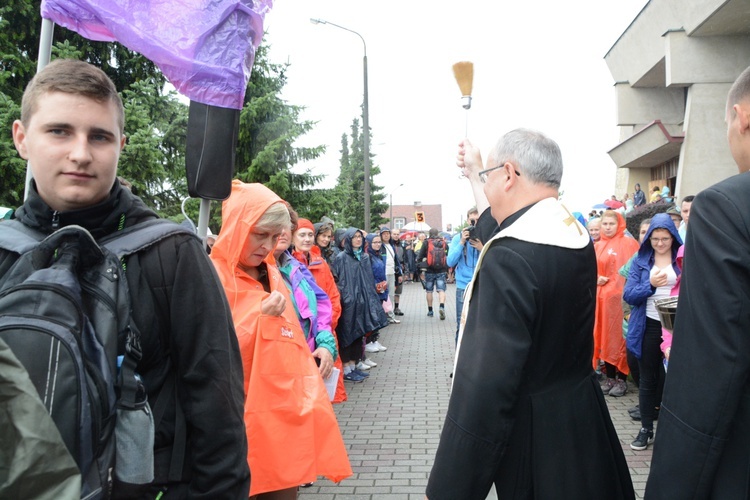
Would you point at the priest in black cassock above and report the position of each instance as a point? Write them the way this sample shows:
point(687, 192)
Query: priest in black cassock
point(702, 446)
point(526, 412)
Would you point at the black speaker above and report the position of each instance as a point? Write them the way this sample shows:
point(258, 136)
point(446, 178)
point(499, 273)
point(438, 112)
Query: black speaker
point(209, 156)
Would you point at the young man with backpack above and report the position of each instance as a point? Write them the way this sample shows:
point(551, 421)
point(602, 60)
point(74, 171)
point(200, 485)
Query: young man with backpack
point(433, 253)
point(187, 358)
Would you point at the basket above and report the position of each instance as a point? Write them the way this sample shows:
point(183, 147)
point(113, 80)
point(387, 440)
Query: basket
point(667, 309)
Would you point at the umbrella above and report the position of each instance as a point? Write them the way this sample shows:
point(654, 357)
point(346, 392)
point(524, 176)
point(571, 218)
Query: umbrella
point(614, 204)
point(416, 226)
point(404, 234)
point(600, 206)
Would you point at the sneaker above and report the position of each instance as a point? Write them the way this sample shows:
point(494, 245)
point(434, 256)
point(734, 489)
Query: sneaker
point(430, 314)
point(635, 409)
point(619, 389)
point(394, 321)
point(362, 367)
point(353, 376)
point(380, 346)
point(371, 347)
point(645, 437)
point(398, 312)
point(370, 363)
point(442, 313)
point(636, 415)
point(362, 374)
point(607, 385)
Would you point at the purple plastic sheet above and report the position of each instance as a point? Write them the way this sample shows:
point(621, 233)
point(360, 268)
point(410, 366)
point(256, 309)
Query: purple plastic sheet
point(206, 48)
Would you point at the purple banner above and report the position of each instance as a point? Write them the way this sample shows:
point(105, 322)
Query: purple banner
point(206, 48)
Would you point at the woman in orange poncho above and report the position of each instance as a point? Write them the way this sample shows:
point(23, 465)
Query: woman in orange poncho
point(613, 250)
point(293, 436)
point(307, 252)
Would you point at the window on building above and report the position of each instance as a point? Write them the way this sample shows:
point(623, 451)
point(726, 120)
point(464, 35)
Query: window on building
point(399, 222)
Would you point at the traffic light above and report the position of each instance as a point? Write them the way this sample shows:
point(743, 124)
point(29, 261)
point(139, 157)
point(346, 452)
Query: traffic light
point(419, 216)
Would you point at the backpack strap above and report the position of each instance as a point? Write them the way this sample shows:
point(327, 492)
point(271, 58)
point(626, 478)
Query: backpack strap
point(17, 237)
point(136, 238)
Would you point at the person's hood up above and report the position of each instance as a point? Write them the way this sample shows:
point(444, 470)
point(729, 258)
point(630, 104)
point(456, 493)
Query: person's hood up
point(665, 191)
point(660, 221)
point(322, 226)
point(338, 237)
point(240, 213)
point(384, 229)
point(621, 226)
point(370, 250)
point(348, 235)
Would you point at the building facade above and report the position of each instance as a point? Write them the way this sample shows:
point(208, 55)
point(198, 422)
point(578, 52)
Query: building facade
point(672, 69)
point(405, 214)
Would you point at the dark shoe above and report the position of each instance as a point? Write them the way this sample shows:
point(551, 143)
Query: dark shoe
point(619, 389)
point(306, 485)
point(430, 314)
point(636, 415)
point(635, 409)
point(353, 376)
point(398, 312)
point(362, 374)
point(645, 437)
point(442, 313)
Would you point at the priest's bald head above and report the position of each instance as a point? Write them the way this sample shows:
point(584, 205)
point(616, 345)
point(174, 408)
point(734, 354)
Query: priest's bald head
point(524, 167)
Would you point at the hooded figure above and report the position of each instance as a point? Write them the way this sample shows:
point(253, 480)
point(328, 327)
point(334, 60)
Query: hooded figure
point(378, 266)
point(361, 308)
point(293, 435)
point(638, 287)
point(612, 252)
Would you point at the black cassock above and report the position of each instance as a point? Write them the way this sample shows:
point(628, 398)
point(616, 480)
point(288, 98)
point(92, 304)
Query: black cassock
point(526, 411)
point(702, 446)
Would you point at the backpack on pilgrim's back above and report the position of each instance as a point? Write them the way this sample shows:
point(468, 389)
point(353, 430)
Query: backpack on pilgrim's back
point(65, 314)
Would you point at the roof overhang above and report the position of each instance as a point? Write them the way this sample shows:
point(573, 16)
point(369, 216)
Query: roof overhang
point(651, 146)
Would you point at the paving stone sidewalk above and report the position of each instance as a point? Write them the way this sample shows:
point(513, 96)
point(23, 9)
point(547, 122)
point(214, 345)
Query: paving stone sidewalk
point(391, 423)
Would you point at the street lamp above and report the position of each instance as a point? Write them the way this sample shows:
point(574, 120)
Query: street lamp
point(365, 122)
point(390, 196)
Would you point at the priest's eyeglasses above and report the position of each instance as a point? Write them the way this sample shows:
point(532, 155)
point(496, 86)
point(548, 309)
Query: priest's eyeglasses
point(483, 173)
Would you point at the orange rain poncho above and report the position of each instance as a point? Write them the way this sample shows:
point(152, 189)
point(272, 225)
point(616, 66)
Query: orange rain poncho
point(292, 432)
point(611, 254)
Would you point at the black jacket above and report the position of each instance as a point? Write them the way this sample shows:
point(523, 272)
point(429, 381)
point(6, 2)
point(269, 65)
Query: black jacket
point(187, 338)
point(361, 309)
point(702, 445)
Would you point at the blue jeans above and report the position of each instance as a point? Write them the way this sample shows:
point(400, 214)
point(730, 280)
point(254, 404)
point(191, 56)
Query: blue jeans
point(459, 307)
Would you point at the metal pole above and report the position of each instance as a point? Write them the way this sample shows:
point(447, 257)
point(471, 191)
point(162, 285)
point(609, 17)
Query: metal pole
point(366, 131)
point(365, 122)
point(391, 205)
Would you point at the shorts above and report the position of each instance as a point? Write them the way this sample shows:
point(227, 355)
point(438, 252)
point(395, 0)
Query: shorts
point(432, 279)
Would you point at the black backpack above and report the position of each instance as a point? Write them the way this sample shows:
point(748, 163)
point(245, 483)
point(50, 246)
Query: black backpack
point(65, 313)
point(436, 255)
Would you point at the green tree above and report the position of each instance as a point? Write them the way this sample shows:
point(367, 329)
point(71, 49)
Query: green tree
point(351, 183)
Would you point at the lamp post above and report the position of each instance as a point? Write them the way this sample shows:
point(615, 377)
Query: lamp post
point(365, 122)
point(390, 201)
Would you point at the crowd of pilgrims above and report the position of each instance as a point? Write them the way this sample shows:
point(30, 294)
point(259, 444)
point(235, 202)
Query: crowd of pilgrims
point(635, 271)
point(308, 303)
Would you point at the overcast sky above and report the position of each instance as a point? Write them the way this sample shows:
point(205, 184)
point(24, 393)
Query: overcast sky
point(537, 64)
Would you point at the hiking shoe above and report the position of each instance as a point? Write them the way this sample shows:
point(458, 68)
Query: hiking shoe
point(645, 437)
point(371, 347)
point(619, 389)
point(362, 374)
point(607, 385)
point(430, 314)
point(370, 363)
point(362, 367)
point(442, 313)
point(380, 346)
point(398, 312)
point(353, 376)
